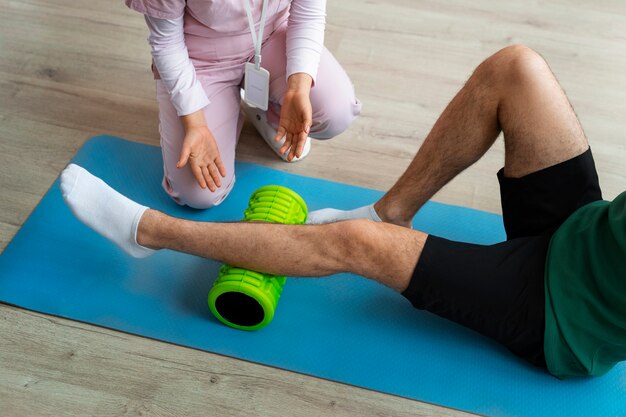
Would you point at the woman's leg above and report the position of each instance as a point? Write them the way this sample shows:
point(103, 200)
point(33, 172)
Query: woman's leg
point(224, 122)
point(332, 97)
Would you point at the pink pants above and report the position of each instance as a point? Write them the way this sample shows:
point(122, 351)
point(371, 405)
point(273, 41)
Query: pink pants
point(219, 61)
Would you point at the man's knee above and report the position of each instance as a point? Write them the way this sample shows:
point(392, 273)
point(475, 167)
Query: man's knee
point(352, 240)
point(513, 66)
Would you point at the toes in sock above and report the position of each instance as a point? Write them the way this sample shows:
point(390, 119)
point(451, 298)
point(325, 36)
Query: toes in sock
point(330, 215)
point(103, 209)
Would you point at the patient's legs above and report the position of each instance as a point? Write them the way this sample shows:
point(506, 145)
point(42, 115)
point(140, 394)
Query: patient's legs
point(384, 252)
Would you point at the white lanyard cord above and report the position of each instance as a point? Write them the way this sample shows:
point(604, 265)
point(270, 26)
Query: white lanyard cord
point(256, 40)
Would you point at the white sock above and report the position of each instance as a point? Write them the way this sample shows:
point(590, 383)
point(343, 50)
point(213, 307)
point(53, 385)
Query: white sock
point(103, 209)
point(330, 215)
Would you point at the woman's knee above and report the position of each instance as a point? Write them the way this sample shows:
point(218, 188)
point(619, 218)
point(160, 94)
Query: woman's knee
point(203, 198)
point(335, 117)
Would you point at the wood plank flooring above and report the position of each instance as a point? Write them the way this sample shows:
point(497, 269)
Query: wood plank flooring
point(70, 70)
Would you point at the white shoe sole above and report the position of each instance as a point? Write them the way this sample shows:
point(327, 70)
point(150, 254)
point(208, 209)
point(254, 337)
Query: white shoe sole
point(258, 118)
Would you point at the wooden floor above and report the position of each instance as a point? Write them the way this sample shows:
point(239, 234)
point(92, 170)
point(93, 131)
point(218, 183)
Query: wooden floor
point(73, 69)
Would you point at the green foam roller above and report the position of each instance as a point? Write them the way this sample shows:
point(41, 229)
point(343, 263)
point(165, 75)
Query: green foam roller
point(246, 299)
point(276, 204)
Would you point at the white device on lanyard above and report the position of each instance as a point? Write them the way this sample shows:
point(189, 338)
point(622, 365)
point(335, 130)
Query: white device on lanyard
point(257, 79)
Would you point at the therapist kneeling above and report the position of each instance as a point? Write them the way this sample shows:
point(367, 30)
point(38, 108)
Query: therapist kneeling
point(203, 52)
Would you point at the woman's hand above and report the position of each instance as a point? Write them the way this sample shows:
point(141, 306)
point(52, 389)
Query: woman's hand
point(295, 115)
point(200, 152)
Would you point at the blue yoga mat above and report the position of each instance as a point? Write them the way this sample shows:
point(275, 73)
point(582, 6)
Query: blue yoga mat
point(343, 328)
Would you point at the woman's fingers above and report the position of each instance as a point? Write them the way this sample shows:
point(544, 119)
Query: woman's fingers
point(208, 178)
point(292, 150)
point(280, 133)
point(220, 166)
point(215, 175)
point(292, 146)
point(301, 142)
point(295, 139)
point(184, 155)
point(286, 145)
point(197, 173)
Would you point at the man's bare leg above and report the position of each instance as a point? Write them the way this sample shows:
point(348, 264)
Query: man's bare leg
point(383, 252)
point(513, 91)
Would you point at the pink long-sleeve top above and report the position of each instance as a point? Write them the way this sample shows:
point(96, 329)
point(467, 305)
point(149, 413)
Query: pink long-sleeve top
point(165, 20)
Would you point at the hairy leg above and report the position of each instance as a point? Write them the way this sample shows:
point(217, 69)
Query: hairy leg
point(513, 91)
point(383, 252)
point(539, 124)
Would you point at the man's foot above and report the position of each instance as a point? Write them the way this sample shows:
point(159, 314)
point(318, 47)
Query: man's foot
point(330, 215)
point(258, 118)
point(371, 212)
point(103, 209)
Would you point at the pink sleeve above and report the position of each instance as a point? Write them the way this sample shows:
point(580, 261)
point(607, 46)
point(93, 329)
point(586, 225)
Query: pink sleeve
point(161, 9)
point(305, 36)
point(169, 52)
